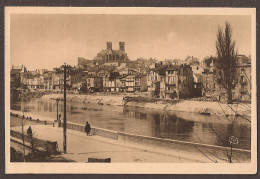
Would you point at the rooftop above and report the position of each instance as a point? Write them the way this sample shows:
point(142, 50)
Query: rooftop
point(173, 67)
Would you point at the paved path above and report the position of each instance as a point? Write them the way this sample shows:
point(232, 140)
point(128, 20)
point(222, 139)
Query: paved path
point(81, 147)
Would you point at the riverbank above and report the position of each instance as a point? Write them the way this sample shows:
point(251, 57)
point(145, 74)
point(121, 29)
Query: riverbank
point(102, 145)
point(181, 151)
point(202, 107)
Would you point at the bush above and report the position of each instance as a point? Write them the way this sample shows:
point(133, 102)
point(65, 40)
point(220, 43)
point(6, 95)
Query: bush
point(15, 156)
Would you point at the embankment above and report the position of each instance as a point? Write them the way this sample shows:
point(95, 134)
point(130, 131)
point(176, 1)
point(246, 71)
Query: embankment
point(215, 153)
point(116, 100)
point(210, 107)
point(211, 151)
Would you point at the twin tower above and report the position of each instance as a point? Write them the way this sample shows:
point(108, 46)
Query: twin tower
point(121, 46)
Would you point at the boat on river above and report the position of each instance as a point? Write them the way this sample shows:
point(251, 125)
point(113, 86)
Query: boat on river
point(206, 112)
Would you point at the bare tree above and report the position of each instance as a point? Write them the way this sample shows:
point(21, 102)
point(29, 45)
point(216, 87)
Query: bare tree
point(226, 71)
point(232, 122)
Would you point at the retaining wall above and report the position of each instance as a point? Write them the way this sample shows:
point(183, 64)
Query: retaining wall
point(212, 150)
point(94, 131)
point(219, 151)
point(43, 144)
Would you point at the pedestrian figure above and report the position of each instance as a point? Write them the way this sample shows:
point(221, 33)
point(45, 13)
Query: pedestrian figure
point(29, 131)
point(59, 121)
point(87, 128)
point(31, 140)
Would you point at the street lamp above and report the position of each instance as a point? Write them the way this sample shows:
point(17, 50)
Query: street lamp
point(57, 100)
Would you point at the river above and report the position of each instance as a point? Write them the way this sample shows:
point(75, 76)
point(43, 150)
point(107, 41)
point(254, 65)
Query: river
point(214, 130)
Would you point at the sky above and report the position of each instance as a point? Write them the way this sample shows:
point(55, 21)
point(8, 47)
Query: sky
point(41, 41)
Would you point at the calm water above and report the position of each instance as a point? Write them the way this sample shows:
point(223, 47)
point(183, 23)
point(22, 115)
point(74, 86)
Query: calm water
point(157, 123)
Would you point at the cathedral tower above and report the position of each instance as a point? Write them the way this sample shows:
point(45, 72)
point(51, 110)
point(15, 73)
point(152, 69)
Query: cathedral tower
point(109, 45)
point(122, 46)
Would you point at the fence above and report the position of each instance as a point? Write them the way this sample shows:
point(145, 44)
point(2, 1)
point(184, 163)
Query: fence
point(49, 146)
point(94, 130)
point(165, 143)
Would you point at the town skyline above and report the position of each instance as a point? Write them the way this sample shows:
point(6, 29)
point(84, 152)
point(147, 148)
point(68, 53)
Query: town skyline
point(52, 40)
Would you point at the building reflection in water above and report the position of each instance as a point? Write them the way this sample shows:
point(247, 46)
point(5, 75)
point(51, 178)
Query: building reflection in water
point(171, 125)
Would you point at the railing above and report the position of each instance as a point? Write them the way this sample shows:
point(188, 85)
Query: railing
point(160, 142)
point(94, 130)
point(147, 140)
point(46, 145)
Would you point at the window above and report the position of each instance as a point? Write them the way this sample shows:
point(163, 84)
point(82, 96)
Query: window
point(197, 68)
point(242, 79)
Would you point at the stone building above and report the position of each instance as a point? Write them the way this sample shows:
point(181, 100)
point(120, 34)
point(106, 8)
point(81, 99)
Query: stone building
point(16, 76)
point(242, 91)
point(33, 79)
point(47, 80)
point(171, 82)
point(136, 83)
point(186, 81)
point(57, 79)
point(243, 88)
point(179, 82)
point(109, 55)
point(156, 79)
point(93, 83)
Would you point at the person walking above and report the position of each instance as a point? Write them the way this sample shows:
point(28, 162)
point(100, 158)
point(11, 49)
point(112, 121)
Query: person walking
point(29, 131)
point(87, 128)
point(31, 139)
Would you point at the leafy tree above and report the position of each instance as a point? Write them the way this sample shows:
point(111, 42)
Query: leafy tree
point(226, 71)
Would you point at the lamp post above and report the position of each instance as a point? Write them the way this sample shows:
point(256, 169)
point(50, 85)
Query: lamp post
point(23, 133)
point(65, 119)
point(57, 100)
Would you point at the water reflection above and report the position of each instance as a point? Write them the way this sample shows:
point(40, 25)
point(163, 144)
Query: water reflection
point(172, 125)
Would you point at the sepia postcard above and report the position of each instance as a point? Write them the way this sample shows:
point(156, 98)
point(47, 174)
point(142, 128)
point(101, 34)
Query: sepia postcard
point(130, 90)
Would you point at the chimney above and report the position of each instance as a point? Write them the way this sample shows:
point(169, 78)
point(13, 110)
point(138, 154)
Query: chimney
point(122, 46)
point(109, 45)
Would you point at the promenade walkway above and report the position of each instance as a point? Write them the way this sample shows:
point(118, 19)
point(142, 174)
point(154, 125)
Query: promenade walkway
point(81, 147)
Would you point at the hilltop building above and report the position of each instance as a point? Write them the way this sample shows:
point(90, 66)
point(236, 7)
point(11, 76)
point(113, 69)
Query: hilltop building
point(109, 55)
